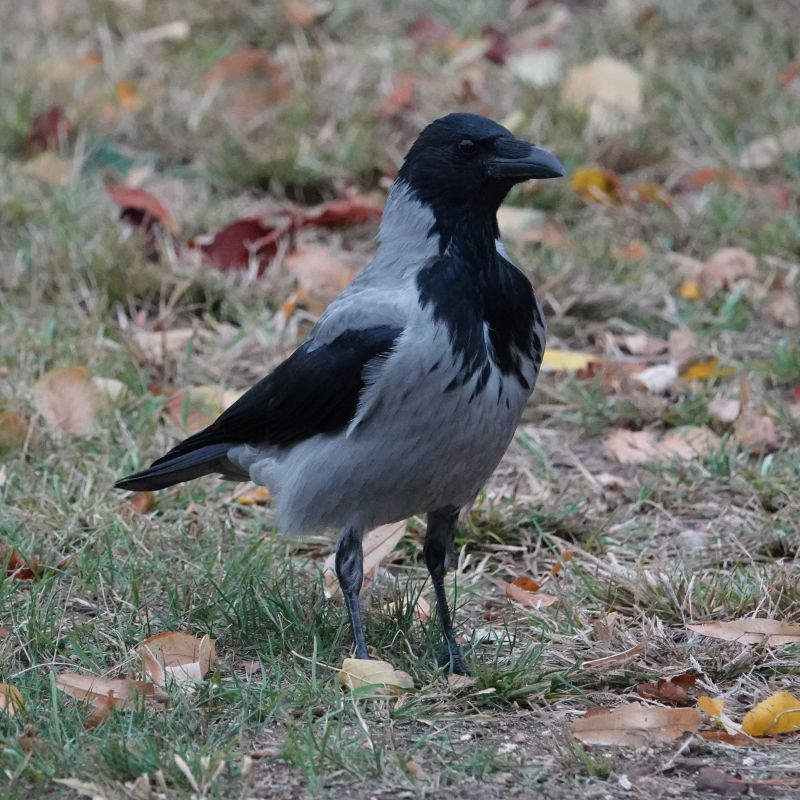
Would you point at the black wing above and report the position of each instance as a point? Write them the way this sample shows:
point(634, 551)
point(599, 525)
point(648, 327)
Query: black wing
point(316, 390)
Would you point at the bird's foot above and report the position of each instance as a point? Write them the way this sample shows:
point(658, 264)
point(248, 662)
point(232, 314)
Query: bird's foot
point(450, 658)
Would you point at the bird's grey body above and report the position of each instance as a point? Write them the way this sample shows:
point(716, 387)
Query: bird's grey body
point(412, 446)
point(409, 389)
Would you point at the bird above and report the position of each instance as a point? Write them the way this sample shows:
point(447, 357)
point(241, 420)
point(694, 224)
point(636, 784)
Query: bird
point(410, 386)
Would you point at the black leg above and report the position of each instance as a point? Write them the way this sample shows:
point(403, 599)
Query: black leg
point(350, 572)
point(438, 553)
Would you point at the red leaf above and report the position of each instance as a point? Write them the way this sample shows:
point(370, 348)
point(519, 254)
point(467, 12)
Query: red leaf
point(19, 567)
point(671, 690)
point(141, 209)
point(49, 131)
point(400, 98)
point(428, 31)
point(498, 49)
point(344, 211)
point(231, 247)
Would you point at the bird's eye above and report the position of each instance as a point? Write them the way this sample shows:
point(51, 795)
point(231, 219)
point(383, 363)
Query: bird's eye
point(467, 147)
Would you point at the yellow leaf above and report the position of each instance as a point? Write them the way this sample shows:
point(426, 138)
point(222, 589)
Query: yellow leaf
point(253, 496)
point(357, 673)
point(597, 185)
point(10, 699)
point(690, 290)
point(751, 630)
point(712, 707)
point(779, 713)
point(127, 95)
point(69, 400)
point(567, 360)
point(704, 370)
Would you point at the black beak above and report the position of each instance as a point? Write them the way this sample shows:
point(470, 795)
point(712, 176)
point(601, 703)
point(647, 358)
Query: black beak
point(519, 161)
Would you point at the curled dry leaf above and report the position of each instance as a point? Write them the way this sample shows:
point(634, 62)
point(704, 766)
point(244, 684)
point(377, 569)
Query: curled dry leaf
point(784, 309)
point(353, 209)
point(597, 185)
point(751, 630)
point(377, 546)
point(526, 598)
point(49, 130)
point(246, 240)
point(632, 447)
point(778, 713)
point(609, 90)
point(459, 683)
point(19, 567)
point(142, 209)
point(635, 725)
point(14, 429)
point(253, 496)
point(724, 410)
point(69, 400)
point(614, 658)
point(179, 657)
point(11, 700)
point(356, 673)
point(674, 690)
point(689, 441)
point(725, 268)
point(103, 694)
point(156, 347)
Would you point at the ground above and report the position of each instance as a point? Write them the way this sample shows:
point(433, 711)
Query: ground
point(631, 548)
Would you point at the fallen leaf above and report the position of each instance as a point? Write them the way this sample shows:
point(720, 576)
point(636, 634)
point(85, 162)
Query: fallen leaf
point(112, 389)
point(321, 275)
point(50, 130)
point(253, 496)
point(422, 609)
point(725, 268)
point(400, 98)
point(49, 167)
point(671, 690)
point(632, 447)
point(195, 407)
point(755, 431)
point(724, 410)
point(635, 725)
point(525, 598)
point(767, 150)
point(750, 630)
point(608, 90)
point(68, 400)
point(784, 309)
point(426, 30)
point(350, 210)
point(127, 95)
point(567, 360)
point(460, 683)
point(246, 241)
point(526, 583)
point(633, 251)
point(700, 178)
point(597, 185)
point(683, 347)
point(377, 546)
point(614, 658)
point(14, 429)
point(516, 224)
point(689, 441)
point(141, 503)
point(356, 673)
point(18, 566)
point(11, 701)
point(778, 713)
point(157, 347)
point(300, 14)
point(658, 378)
point(604, 626)
point(704, 370)
point(690, 290)
point(712, 707)
point(103, 694)
point(538, 66)
point(724, 737)
point(141, 208)
point(179, 657)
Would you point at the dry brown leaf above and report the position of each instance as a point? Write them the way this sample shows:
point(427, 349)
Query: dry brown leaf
point(377, 546)
point(198, 406)
point(141, 503)
point(604, 626)
point(14, 429)
point(142, 209)
point(725, 268)
point(749, 630)
point(766, 151)
point(422, 609)
point(321, 274)
point(19, 567)
point(636, 725)
point(784, 309)
point(460, 683)
point(68, 400)
point(300, 14)
point(755, 431)
point(689, 441)
point(597, 185)
point(10, 700)
point(683, 347)
point(640, 344)
point(103, 694)
point(778, 713)
point(632, 447)
point(674, 690)
point(156, 347)
point(401, 97)
point(526, 583)
point(724, 410)
point(528, 599)
point(614, 658)
point(357, 673)
point(609, 90)
point(179, 657)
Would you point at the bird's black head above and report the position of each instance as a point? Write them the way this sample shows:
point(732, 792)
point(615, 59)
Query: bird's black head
point(466, 164)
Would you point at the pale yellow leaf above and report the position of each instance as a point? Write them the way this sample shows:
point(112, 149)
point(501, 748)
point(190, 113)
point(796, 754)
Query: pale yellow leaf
point(779, 713)
point(632, 447)
point(689, 441)
point(10, 699)
point(357, 673)
point(749, 630)
point(179, 657)
point(635, 725)
point(377, 546)
point(567, 360)
point(614, 658)
point(68, 400)
point(726, 267)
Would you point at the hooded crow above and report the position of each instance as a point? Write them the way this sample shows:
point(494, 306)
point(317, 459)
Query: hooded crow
point(409, 388)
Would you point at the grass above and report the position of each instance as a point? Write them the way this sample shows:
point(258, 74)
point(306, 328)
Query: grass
point(671, 542)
